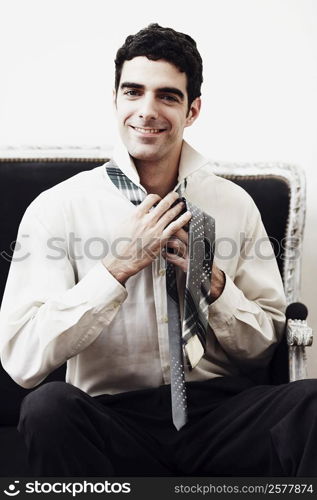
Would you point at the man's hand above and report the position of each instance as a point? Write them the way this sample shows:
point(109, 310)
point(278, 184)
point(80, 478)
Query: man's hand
point(179, 243)
point(144, 234)
point(218, 281)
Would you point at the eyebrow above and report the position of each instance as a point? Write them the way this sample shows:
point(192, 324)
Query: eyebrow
point(131, 85)
point(173, 90)
point(168, 90)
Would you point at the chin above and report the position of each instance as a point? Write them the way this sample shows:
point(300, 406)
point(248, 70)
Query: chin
point(142, 153)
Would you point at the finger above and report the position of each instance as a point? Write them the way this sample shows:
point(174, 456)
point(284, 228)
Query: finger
point(176, 260)
point(182, 235)
point(170, 215)
point(149, 202)
point(178, 247)
point(164, 205)
point(174, 226)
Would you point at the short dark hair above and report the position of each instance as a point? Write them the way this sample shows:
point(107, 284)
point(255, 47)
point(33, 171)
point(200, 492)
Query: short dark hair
point(155, 42)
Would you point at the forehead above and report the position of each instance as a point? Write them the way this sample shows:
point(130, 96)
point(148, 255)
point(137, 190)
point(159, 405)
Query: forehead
point(153, 74)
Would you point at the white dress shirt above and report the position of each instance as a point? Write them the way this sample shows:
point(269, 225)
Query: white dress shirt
point(61, 304)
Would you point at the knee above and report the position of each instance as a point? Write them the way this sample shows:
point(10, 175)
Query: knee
point(306, 387)
point(304, 392)
point(48, 404)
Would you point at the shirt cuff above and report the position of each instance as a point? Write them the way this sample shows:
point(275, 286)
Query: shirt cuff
point(99, 289)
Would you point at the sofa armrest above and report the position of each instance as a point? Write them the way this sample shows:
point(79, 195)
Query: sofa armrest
point(299, 333)
point(299, 336)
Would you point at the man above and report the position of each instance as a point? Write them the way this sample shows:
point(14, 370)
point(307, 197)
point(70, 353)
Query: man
point(108, 317)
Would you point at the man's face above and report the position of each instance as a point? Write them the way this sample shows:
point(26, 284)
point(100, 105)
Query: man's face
point(152, 108)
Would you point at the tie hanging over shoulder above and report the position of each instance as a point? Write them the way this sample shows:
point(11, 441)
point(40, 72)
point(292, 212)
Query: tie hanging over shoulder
point(191, 335)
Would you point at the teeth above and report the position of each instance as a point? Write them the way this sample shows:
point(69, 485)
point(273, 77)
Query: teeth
point(147, 130)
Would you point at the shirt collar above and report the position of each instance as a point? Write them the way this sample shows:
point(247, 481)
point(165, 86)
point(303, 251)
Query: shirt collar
point(190, 161)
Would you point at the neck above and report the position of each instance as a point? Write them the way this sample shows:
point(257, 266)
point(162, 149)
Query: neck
point(158, 177)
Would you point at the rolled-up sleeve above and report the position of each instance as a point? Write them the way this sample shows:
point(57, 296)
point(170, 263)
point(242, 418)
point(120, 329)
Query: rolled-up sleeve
point(47, 315)
point(248, 317)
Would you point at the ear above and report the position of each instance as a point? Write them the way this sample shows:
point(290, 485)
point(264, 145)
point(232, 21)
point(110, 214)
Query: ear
point(114, 98)
point(193, 112)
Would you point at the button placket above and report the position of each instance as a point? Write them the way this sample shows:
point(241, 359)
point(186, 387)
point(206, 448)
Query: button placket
point(160, 300)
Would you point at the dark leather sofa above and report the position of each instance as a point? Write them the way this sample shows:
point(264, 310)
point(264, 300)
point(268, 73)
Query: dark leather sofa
point(21, 180)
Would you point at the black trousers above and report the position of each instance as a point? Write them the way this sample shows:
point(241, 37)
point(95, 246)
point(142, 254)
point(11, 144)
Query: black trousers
point(235, 428)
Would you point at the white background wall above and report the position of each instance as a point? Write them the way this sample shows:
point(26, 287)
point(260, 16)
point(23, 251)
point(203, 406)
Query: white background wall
point(259, 92)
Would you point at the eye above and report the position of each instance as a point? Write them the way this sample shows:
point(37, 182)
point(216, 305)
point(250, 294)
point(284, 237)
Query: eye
point(169, 98)
point(131, 93)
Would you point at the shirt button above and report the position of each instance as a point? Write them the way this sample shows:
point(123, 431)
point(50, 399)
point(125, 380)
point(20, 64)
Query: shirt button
point(165, 319)
point(162, 272)
point(115, 305)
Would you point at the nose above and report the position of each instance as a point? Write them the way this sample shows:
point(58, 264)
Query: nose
point(148, 108)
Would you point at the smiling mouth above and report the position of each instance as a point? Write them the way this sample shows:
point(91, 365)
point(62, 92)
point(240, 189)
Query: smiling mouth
point(149, 131)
